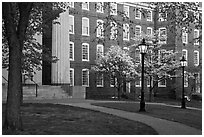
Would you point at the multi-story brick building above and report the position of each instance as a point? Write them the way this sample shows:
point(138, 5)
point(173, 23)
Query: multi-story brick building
point(85, 42)
point(87, 38)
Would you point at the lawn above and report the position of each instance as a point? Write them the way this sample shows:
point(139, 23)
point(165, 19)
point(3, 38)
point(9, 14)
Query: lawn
point(50, 119)
point(188, 117)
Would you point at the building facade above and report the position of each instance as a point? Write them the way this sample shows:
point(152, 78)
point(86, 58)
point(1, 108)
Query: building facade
point(93, 27)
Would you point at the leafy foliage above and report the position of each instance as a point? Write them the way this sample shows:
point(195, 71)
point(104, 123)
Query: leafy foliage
point(41, 13)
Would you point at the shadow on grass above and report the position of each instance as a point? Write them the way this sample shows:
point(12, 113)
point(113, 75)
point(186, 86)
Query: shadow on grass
point(50, 119)
point(188, 117)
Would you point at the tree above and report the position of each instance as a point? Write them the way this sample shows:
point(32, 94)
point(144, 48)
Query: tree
point(160, 63)
point(118, 65)
point(21, 21)
point(183, 15)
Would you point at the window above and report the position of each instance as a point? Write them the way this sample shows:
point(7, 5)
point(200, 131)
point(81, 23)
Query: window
point(149, 31)
point(185, 79)
point(85, 5)
point(85, 52)
point(126, 10)
point(71, 70)
point(126, 31)
point(113, 8)
point(148, 82)
point(112, 81)
point(196, 36)
point(196, 58)
point(113, 31)
point(71, 4)
point(137, 56)
point(85, 26)
point(71, 51)
point(184, 36)
point(161, 56)
point(99, 81)
point(149, 15)
point(99, 7)
point(85, 77)
point(162, 35)
point(162, 17)
point(137, 14)
point(162, 83)
point(138, 30)
point(138, 82)
point(185, 54)
point(100, 29)
point(99, 51)
point(71, 24)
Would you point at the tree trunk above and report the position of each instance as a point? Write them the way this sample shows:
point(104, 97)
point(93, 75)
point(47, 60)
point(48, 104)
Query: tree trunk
point(13, 117)
point(15, 35)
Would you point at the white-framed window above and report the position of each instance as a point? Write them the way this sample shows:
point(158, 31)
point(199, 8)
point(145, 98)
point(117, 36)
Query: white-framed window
point(85, 52)
point(112, 81)
point(85, 5)
point(85, 77)
point(71, 4)
point(126, 10)
point(148, 82)
point(71, 24)
point(126, 32)
point(71, 51)
point(137, 56)
point(184, 36)
point(162, 35)
point(128, 87)
point(149, 15)
point(99, 81)
point(99, 51)
point(149, 31)
point(162, 17)
point(113, 31)
point(185, 79)
point(138, 82)
point(196, 36)
point(85, 26)
point(138, 30)
point(161, 55)
point(137, 13)
point(99, 7)
point(71, 70)
point(185, 54)
point(162, 83)
point(100, 29)
point(196, 58)
point(113, 8)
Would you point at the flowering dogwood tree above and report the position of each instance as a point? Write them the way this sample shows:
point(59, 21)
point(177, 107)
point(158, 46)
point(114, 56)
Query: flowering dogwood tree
point(118, 65)
point(160, 64)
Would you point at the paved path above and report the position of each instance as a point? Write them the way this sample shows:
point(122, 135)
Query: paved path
point(163, 127)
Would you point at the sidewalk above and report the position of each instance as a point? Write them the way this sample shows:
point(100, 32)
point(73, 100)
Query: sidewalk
point(163, 127)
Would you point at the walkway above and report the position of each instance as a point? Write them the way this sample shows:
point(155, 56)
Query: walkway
point(163, 127)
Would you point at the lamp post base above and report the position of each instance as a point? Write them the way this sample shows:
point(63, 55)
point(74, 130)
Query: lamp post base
point(183, 105)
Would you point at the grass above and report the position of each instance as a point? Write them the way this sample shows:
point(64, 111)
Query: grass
point(188, 117)
point(50, 119)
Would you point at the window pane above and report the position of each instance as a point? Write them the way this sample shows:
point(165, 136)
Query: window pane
point(137, 14)
point(85, 52)
point(99, 81)
point(85, 77)
point(71, 51)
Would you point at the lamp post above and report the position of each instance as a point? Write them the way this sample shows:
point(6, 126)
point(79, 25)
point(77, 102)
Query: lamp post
point(183, 64)
point(143, 50)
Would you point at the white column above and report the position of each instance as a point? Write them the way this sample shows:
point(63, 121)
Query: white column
point(60, 49)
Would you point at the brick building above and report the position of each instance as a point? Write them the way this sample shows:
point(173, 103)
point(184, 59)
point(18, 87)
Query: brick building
point(87, 38)
point(86, 41)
